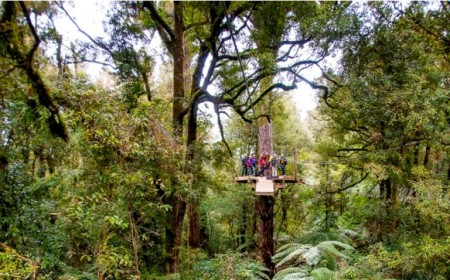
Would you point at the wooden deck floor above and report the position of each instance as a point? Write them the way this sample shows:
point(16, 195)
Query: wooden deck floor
point(266, 185)
point(275, 179)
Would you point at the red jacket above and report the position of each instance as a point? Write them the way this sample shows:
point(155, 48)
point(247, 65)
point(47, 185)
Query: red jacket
point(262, 161)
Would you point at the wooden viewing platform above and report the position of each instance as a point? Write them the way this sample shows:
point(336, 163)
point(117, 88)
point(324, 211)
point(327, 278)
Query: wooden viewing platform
point(266, 185)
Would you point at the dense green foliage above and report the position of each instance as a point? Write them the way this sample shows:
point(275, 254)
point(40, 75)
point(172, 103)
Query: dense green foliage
point(125, 178)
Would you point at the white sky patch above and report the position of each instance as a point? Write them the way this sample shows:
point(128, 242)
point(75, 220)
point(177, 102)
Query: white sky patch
point(305, 99)
point(89, 16)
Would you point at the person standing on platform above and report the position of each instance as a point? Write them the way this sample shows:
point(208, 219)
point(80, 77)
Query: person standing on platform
point(261, 164)
point(248, 164)
point(283, 163)
point(267, 169)
point(244, 165)
point(253, 162)
point(274, 163)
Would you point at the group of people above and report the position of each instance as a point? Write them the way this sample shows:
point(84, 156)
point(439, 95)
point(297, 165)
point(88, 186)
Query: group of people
point(260, 167)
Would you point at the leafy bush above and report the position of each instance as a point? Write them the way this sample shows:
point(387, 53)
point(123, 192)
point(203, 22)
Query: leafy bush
point(11, 267)
point(222, 266)
point(423, 259)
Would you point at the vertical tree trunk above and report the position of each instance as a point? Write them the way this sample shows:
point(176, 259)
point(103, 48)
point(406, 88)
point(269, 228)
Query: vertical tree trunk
point(243, 227)
point(427, 158)
point(284, 209)
point(266, 246)
point(265, 206)
point(174, 234)
point(178, 70)
point(194, 236)
point(388, 192)
point(265, 140)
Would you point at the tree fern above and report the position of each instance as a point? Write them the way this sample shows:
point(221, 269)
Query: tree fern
point(330, 248)
point(313, 256)
point(292, 273)
point(329, 262)
point(288, 252)
point(323, 253)
point(317, 235)
point(322, 273)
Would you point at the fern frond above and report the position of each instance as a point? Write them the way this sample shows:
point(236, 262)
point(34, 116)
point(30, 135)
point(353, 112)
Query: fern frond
point(262, 275)
point(330, 248)
point(329, 262)
point(287, 253)
point(313, 256)
point(291, 273)
point(287, 246)
point(317, 235)
point(347, 232)
point(322, 273)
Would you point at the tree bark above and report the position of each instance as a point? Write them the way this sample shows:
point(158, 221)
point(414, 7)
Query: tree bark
point(178, 70)
point(174, 233)
point(266, 246)
point(194, 236)
point(265, 207)
point(284, 210)
point(243, 227)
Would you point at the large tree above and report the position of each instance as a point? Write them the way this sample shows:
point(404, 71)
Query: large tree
point(388, 117)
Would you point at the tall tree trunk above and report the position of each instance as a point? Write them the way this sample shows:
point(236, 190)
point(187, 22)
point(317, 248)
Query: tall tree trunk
point(266, 246)
point(194, 236)
point(427, 158)
point(178, 70)
point(265, 207)
point(388, 191)
point(174, 233)
point(243, 227)
point(284, 209)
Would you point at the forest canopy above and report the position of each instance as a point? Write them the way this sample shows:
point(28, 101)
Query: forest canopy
point(134, 173)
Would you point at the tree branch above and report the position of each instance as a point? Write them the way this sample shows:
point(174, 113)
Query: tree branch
point(349, 186)
point(95, 42)
point(196, 24)
point(315, 86)
point(295, 42)
point(166, 33)
point(94, 61)
point(267, 91)
point(25, 62)
point(219, 123)
point(37, 40)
